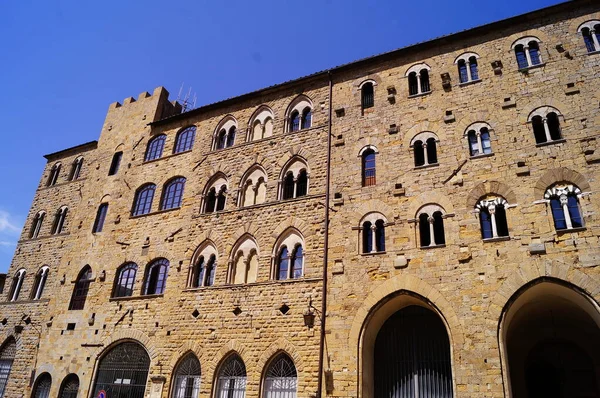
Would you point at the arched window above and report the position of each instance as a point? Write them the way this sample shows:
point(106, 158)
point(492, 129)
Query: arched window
point(17, 284)
point(81, 289)
point(281, 378)
point(418, 79)
point(289, 186)
point(231, 136)
point(431, 226)
point(59, 220)
point(123, 371)
point(295, 121)
point(215, 194)
point(7, 357)
point(76, 169)
point(467, 67)
point(155, 147)
point(221, 139)
point(172, 193)
point(368, 168)
point(142, 204)
point(41, 388)
point(187, 378)
point(373, 233)
point(36, 225)
point(100, 218)
point(184, 141)
point(115, 163)
point(527, 52)
point(425, 149)
point(54, 173)
point(261, 124)
point(306, 118)
point(564, 203)
point(253, 189)
point(40, 282)
point(289, 256)
point(546, 125)
point(302, 184)
point(156, 277)
point(299, 114)
point(231, 382)
point(367, 96)
point(244, 261)
point(294, 180)
point(224, 134)
point(283, 263)
point(492, 218)
point(478, 135)
point(69, 387)
point(591, 35)
point(204, 271)
point(124, 280)
point(221, 197)
point(297, 262)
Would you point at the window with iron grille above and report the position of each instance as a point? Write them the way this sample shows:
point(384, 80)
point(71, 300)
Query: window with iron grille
point(115, 163)
point(156, 277)
point(41, 388)
point(82, 287)
point(7, 357)
point(281, 379)
point(368, 167)
point(142, 203)
point(367, 96)
point(100, 218)
point(123, 372)
point(185, 140)
point(124, 280)
point(231, 382)
point(187, 378)
point(69, 387)
point(155, 147)
point(172, 193)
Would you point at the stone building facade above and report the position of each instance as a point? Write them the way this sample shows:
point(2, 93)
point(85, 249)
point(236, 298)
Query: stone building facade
point(419, 223)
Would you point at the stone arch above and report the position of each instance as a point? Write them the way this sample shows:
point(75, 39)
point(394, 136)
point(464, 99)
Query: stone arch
point(248, 228)
point(561, 174)
point(206, 236)
point(294, 153)
point(123, 335)
point(371, 206)
point(370, 78)
point(575, 23)
point(536, 103)
point(415, 290)
point(257, 160)
point(298, 103)
point(536, 33)
point(423, 126)
point(472, 118)
point(279, 346)
point(428, 198)
point(487, 188)
point(232, 347)
point(367, 147)
point(187, 347)
point(293, 222)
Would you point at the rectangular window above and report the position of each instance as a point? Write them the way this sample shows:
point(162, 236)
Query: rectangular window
point(116, 162)
point(100, 217)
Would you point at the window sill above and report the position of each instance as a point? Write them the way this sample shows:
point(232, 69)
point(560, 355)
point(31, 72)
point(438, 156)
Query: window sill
point(432, 247)
point(25, 302)
point(61, 184)
point(562, 140)
point(484, 155)
point(245, 285)
point(593, 52)
point(141, 297)
point(426, 166)
point(469, 83)
point(570, 230)
point(154, 213)
point(44, 237)
point(526, 69)
point(497, 239)
point(420, 94)
point(166, 157)
point(372, 254)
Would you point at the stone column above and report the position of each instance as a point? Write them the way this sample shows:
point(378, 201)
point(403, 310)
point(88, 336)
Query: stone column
point(479, 145)
point(373, 238)
point(527, 55)
point(431, 220)
point(595, 39)
point(564, 200)
point(295, 186)
point(492, 210)
point(547, 130)
point(425, 153)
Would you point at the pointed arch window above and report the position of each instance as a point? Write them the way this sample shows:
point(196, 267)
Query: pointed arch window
point(187, 378)
point(221, 139)
point(299, 114)
point(231, 382)
point(36, 225)
point(172, 193)
point(155, 148)
point(185, 140)
point(244, 261)
point(156, 277)
point(367, 96)
point(100, 218)
point(281, 378)
point(81, 289)
point(289, 256)
point(204, 271)
point(7, 357)
point(54, 173)
point(565, 207)
point(41, 388)
point(115, 163)
point(492, 218)
point(125, 280)
point(253, 189)
point(215, 195)
point(17, 285)
point(142, 203)
point(294, 182)
point(368, 168)
point(123, 371)
point(69, 387)
point(39, 283)
point(59, 220)
point(231, 136)
point(76, 169)
point(431, 226)
point(261, 124)
point(306, 118)
point(295, 121)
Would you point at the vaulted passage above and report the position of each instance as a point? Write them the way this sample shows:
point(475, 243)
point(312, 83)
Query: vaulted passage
point(553, 344)
point(412, 356)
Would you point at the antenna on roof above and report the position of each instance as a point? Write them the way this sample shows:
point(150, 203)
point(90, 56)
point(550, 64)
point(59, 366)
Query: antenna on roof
point(189, 101)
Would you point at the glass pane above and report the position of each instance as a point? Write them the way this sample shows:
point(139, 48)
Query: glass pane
point(297, 262)
point(486, 224)
point(485, 141)
point(185, 140)
point(155, 148)
point(462, 72)
point(521, 57)
point(283, 265)
point(574, 213)
point(558, 213)
point(473, 144)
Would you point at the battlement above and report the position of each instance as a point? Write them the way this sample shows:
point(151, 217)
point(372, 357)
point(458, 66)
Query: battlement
point(159, 100)
point(159, 92)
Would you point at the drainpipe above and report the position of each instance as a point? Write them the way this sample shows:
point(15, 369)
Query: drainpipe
point(325, 244)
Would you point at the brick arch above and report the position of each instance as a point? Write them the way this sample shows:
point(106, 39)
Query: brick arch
point(423, 126)
point(372, 206)
point(536, 103)
point(427, 198)
point(544, 38)
point(490, 187)
point(577, 21)
point(232, 347)
point(293, 222)
point(559, 175)
point(127, 335)
point(208, 235)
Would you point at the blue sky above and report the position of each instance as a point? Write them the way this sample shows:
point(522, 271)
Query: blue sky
point(64, 61)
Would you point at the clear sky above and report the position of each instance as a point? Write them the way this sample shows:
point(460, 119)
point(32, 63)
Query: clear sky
point(64, 61)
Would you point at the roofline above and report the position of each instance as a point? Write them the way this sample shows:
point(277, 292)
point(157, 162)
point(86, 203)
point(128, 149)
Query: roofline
point(87, 145)
point(381, 57)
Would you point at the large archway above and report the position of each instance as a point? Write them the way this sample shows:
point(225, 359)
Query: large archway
point(551, 342)
point(406, 350)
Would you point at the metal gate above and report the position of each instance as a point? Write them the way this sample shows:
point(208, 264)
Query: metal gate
point(123, 372)
point(412, 356)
